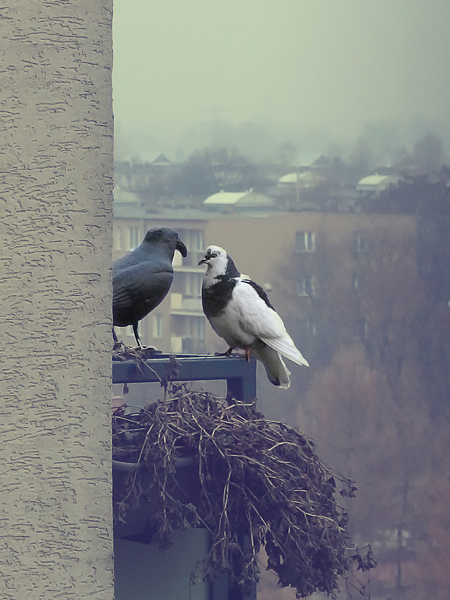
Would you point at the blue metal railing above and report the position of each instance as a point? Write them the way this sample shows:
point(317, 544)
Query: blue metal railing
point(239, 374)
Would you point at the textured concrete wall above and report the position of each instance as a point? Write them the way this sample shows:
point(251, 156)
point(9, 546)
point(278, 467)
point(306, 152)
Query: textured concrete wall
point(56, 177)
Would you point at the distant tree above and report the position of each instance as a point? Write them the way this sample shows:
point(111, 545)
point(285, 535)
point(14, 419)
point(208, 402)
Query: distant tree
point(234, 172)
point(361, 161)
point(254, 141)
point(428, 153)
point(361, 430)
point(431, 574)
point(380, 358)
point(196, 177)
point(435, 357)
point(378, 145)
point(429, 199)
point(378, 343)
point(286, 154)
point(208, 171)
point(379, 376)
point(357, 284)
point(155, 188)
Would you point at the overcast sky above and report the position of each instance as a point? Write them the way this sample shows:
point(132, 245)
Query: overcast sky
point(292, 66)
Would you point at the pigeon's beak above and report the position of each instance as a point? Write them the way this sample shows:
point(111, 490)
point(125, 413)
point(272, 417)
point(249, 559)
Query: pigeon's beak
point(205, 259)
point(181, 248)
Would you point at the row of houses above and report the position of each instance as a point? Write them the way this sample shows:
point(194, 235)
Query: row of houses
point(322, 185)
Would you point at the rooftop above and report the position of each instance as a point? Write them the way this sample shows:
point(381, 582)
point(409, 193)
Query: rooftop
point(376, 181)
point(247, 199)
point(134, 211)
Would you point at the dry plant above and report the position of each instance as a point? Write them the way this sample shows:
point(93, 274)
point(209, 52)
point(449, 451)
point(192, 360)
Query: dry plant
point(202, 461)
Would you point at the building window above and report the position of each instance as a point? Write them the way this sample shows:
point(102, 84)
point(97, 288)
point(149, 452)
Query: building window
point(195, 243)
point(359, 243)
point(311, 327)
point(134, 238)
point(193, 285)
point(364, 329)
point(305, 241)
point(196, 328)
point(201, 328)
point(157, 325)
point(197, 240)
point(308, 326)
point(306, 286)
point(116, 239)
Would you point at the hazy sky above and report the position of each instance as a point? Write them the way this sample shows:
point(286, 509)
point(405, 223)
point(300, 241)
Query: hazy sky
point(291, 66)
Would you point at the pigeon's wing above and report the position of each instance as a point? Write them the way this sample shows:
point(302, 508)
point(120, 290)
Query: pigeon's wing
point(259, 318)
point(286, 347)
point(137, 290)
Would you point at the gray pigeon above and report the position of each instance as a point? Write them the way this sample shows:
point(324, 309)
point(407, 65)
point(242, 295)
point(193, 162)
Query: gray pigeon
point(142, 278)
point(240, 312)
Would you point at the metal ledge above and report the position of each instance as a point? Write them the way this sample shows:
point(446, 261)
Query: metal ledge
point(239, 373)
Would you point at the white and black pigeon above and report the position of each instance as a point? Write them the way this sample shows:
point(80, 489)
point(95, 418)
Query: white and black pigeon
point(142, 278)
point(240, 312)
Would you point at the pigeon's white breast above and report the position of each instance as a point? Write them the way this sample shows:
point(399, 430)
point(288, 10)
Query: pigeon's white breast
point(231, 323)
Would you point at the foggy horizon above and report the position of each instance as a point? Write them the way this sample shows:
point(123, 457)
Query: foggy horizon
point(238, 75)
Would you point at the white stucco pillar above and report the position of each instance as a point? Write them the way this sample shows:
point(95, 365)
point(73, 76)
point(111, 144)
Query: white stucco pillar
point(56, 174)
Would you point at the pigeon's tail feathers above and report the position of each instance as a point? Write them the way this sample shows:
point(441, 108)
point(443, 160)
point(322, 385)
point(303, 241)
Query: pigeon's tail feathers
point(286, 347)
point(276, 370)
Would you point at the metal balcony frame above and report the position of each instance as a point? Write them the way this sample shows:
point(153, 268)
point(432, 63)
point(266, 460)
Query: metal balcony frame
point(240, 376)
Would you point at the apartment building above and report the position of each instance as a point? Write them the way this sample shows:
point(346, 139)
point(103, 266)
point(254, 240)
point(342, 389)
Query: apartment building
point(264, 245)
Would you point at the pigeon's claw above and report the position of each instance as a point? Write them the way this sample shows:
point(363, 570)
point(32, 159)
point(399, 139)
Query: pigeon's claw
point(227, 353)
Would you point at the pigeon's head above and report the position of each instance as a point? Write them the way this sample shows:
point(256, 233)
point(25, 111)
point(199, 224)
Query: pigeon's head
point(165, 236)
point(218, 262)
